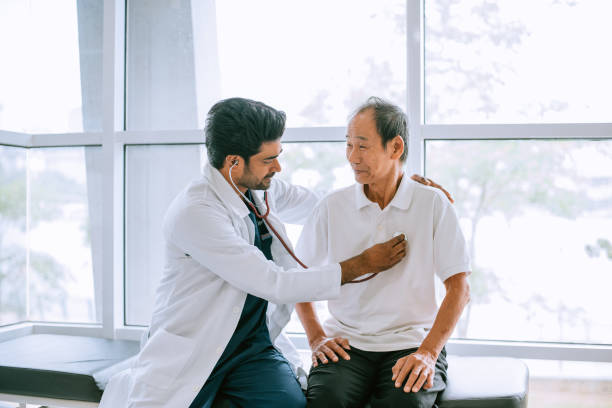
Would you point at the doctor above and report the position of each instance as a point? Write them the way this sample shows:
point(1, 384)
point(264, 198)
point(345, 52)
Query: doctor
point(228, 284)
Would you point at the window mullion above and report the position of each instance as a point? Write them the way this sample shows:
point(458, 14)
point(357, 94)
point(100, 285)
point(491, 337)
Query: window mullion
point(519, 131)
point(414, 81)
point(112, 167)
point(17, 139)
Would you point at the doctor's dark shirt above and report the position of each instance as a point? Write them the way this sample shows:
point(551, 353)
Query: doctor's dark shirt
point(251, 335)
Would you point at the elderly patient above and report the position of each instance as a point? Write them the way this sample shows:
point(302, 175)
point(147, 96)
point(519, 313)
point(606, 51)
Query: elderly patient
point(385, 337)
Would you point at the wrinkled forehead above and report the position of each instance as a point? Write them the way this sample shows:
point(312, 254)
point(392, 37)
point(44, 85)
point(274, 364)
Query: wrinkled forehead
point(362, 127)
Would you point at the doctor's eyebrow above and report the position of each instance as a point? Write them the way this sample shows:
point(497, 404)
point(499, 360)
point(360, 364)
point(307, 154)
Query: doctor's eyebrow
point(273, 157)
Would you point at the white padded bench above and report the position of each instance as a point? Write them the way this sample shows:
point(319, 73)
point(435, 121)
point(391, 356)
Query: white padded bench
point(45, 367)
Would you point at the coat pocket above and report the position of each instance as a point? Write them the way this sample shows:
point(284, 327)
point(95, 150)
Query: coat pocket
point(163, 358)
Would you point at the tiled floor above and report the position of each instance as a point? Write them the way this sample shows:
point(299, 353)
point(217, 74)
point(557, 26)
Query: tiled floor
point(556, 393)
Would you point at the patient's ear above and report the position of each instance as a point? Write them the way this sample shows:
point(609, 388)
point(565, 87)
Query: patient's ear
point(397, 147)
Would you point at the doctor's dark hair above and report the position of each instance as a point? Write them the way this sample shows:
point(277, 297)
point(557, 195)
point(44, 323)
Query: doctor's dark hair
point(390, 121)
point(239, 126)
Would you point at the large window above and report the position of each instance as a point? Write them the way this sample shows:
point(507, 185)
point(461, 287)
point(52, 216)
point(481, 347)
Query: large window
point(13, 253)
point(154, 175)
point(49, 231)
point(62, 227)
point(538, 220)
point(508, 104)
point(51, 197)
point(510, 61)
point(316, 60)
point(51, 70)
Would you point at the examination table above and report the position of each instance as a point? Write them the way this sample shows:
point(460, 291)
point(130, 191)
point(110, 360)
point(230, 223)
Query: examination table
point(70, 371)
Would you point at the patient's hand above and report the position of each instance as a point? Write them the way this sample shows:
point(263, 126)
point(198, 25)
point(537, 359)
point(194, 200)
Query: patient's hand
point(417, 369)
point(325, 348)
point(430, 182)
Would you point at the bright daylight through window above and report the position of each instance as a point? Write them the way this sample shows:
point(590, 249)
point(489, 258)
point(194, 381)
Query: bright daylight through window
point(50, 218)
point(511, 61)
point(54, 84)
point(316, 75)
point(538, 220)
point(509, 108)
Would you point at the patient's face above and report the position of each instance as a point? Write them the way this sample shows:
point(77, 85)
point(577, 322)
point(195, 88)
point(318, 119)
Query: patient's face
point(370, 161)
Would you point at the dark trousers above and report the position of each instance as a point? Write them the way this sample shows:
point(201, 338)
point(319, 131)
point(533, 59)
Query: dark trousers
point(264, 380)
point(366, 377)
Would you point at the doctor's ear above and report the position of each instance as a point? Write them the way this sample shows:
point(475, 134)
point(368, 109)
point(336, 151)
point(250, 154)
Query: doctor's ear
point(233, 161)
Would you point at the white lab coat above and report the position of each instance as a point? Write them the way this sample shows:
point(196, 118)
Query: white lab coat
point(200, 297)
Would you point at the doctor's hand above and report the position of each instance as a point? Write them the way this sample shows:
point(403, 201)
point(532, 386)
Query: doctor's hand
point(430, 182)
point(417, 369)
point(326, 348)
point(375, 259)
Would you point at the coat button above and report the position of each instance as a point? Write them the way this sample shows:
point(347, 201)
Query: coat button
point(380, 227)
point(219, 350)
point(236, 309)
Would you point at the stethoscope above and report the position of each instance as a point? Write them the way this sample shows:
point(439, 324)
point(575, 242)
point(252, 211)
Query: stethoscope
point(264, 217)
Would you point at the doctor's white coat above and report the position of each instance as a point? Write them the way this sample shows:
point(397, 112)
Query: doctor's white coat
point(211, 265)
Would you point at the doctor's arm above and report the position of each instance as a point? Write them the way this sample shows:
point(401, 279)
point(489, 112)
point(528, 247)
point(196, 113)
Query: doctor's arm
point(206, 233)
point(418, 368)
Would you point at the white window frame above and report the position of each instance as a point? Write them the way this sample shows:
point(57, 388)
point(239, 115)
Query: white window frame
point(113, 139)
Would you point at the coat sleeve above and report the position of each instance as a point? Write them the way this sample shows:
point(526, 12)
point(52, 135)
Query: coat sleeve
point(292, 204)
point(205, 232)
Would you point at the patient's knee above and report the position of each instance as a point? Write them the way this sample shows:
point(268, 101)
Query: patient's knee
point(399, 398)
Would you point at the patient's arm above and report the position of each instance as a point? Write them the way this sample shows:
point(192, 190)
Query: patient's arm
point(323, 348)
point(421, 364)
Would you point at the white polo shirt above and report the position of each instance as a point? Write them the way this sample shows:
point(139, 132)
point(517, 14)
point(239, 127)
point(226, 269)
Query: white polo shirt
point(395, 309)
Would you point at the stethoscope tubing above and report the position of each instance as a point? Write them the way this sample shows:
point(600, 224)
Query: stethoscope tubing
point(264, 217)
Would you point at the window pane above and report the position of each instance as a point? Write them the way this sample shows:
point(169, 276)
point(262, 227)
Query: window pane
point(154, 176)
point(12, 234)
point(513, 61)
point(322, 167)
point(300, 57)
point(538, 219)
point(51, 74)
point(63, 230)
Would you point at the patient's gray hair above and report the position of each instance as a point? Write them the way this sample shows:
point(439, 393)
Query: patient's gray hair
point(390, 121)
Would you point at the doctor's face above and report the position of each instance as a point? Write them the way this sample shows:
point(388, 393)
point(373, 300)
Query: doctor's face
point(370, 160)
point(262, 167)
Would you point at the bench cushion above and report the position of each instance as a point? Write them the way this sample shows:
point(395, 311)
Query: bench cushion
point(58, 366)
point(65, 367)
point(492, 382)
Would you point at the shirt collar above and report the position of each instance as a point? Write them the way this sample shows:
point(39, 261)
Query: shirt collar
point(401, 200)
point(225, 191)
